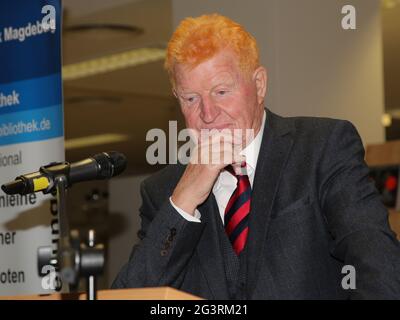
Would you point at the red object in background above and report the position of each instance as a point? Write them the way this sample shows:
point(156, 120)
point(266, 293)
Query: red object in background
point(391, 183)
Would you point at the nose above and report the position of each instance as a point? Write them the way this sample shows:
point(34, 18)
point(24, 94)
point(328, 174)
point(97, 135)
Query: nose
point(209, 110)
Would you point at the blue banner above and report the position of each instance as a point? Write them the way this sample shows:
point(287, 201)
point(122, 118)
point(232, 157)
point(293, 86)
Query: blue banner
point(31, 135)
point(26, 50)
point(30, 71)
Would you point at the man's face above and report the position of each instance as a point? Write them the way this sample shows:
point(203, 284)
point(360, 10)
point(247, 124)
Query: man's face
point(217, 95)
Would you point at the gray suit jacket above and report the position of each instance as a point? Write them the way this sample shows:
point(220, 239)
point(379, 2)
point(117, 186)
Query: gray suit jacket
point(313, 211)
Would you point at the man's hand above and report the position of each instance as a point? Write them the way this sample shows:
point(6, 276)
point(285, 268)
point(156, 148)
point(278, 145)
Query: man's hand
point(207, 161)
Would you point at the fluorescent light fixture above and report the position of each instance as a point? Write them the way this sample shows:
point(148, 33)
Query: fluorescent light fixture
point(390, 4)
point(112, 62)
point(95, 140)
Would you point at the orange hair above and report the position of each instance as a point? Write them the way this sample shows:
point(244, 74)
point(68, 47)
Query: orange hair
point(196, 40)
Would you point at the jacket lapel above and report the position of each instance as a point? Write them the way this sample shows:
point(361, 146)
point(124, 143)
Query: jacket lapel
point(274, 151)
point(209, 250)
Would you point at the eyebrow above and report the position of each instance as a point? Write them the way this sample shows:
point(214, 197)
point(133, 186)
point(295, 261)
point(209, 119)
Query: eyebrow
point(185, 93)
point(227, 80)
point(230, 83)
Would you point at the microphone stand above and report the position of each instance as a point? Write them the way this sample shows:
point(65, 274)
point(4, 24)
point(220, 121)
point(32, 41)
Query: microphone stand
point(75, 259)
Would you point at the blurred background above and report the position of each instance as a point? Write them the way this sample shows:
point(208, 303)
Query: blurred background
point(115, 88)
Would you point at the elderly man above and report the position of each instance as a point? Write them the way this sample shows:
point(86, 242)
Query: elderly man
point(294, 207)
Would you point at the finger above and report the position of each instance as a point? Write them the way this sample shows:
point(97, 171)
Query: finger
point(194, 135)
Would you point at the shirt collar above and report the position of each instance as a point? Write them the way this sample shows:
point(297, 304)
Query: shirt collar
point(253, 149)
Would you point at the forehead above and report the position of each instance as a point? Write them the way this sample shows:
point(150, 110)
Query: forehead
point(223, 67)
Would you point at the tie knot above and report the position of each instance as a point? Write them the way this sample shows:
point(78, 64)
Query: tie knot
point(243, 170)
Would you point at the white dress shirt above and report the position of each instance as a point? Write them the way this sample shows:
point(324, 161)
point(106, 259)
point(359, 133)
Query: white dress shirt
point(226, 182)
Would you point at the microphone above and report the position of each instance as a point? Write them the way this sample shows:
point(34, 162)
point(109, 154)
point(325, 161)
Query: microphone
point(104, 165)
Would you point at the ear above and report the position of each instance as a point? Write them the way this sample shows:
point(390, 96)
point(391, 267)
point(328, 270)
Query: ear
point(260, 79)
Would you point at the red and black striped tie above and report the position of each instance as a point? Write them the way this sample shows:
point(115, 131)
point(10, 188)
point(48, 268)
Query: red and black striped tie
point(237, 211)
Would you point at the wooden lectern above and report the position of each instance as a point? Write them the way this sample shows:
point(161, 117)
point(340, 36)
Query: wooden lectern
point(162, 293)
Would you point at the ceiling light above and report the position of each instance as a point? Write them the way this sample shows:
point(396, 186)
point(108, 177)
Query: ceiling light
point(390, 4)
point(95, 140)
point(112, 62)
point(85, 27)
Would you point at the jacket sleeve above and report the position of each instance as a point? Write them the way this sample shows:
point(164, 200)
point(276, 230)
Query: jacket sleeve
point(167, 244)
point(357, 218)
